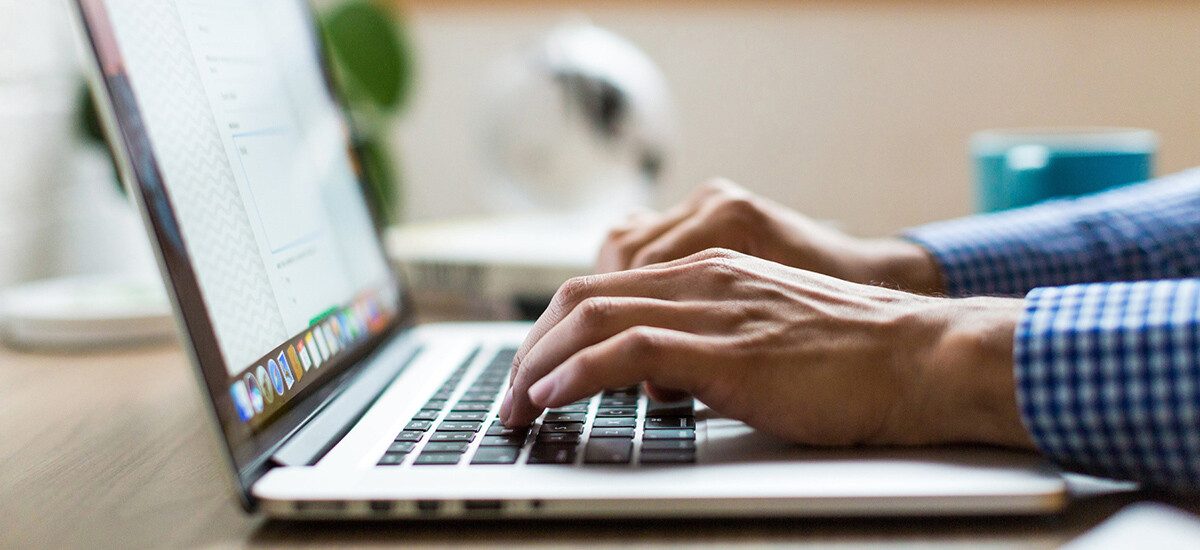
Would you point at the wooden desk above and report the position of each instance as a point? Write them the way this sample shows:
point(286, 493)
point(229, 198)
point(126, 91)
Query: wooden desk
point(112, 450)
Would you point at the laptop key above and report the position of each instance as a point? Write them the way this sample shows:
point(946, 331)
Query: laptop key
point(614, 423)
point(438, 459)
point(565, 427)
point(426, 414)
point(674, 408)
point(401, 447)
point(573, 408)
point(465, 416)
point(513, 440)
point(668, 457)
point(669, 434)
point(446, 447)
point(442, 394)
point(608, 451)
point(668, 445)
point(496, 455)
point(437, 404)
point(498, 428)
point(611, 412)
point(619, 402)
point(612, 432)
point(459, 426)
point(392, 459)
point(472, 407)
point(558, 438)
point(668, 422)
point(410, 435)
point(552, 454)
point(553, 418)
point(452, 436)
point(478, 397)
point(419, 425)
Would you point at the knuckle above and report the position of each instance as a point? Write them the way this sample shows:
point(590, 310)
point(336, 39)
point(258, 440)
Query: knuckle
point(640, 341)
point(594, 311)
point(740, 209)
point(575, 289)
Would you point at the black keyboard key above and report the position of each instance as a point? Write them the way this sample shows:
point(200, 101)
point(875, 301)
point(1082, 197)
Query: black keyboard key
point(446, 447)
point(612, 432)
point(630, 391)
point(668, 457)
point(472, 407)
point(392, 459)
point(552, 454)
point(554, 418)
point(610, 413)
point(498, 428)
point(442, 394)
point(426, 414)
point(669, 434)
point(608, 451)
point(418, 425)
point(410, 436)
point(452, 436)
point(478, 397)
point(465, 416)
point(443, 459)
point(627, 402)
point(496, 455)
point(565, 427)
point(459, 426)
point(614, 423)
point(515, 440)
point(668, 445)
point(669, 422)
point(436, 404)
point(573, 408)
point(674, 408)
point(558, 438)
point(401, 447)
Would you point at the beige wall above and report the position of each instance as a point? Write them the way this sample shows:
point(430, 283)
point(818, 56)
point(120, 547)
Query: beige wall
point(852, 110)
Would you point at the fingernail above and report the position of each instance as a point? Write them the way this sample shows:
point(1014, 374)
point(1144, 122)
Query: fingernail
point(540, 392)
point(506, 406)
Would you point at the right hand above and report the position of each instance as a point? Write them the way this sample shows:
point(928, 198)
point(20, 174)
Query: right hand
point(721, 214)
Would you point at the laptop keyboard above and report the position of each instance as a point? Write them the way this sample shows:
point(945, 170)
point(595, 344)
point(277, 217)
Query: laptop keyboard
point(458, 425)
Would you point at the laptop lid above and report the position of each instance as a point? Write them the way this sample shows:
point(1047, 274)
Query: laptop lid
point(233, 138)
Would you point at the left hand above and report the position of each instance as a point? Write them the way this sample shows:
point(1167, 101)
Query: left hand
point(804, 356)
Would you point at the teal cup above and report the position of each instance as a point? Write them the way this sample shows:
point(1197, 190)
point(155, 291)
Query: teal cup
point(1021, 167)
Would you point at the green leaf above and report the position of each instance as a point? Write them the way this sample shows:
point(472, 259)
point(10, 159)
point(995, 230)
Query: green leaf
point(371, 53)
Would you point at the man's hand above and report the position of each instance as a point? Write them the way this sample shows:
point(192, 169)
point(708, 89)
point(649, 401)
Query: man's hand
point(720, 214)
point(806, 357)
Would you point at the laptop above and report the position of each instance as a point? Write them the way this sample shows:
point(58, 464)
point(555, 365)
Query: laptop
point(330, 403)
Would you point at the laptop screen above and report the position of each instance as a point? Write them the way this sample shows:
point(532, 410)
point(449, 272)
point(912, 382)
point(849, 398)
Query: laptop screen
point(242, 157)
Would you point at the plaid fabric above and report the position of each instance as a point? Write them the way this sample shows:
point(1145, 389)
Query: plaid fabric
point(1108, 379)
point(1139, 232)
point(1108, 373)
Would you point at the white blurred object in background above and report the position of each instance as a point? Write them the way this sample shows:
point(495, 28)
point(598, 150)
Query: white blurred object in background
point(582, 121)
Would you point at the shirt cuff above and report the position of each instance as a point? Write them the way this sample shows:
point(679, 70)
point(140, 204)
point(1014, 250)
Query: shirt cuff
point(1108, 379)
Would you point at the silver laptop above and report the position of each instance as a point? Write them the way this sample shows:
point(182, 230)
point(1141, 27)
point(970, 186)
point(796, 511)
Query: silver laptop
point(330, 403)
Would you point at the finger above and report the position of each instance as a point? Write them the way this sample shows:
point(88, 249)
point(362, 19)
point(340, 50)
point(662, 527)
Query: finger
point(596, 320)
point(693, 235)
point(663, 395)
point(623, 243)
point(663, 357)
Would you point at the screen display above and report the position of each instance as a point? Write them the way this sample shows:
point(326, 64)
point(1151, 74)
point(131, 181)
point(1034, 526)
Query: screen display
point(253, 154)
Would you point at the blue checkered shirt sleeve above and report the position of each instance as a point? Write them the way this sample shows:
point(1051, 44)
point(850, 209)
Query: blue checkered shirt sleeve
point(1136, 233)
point(1108, 373)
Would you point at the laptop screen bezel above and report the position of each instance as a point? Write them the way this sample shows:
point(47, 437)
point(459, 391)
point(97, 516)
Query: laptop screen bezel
point(248, 452)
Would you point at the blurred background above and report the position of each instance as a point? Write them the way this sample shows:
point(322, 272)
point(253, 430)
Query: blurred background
point(856, 111)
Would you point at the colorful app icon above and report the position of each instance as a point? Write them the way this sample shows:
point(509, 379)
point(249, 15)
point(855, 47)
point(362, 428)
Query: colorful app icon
point(241, 400)
point(276, 376)
point(310, 346)
point(331, 339)
point(294, 361)
point(302, 352)
point(256, 396)
point(319, 337)
point(338, 331)
point(264, 384)
point(286, 370)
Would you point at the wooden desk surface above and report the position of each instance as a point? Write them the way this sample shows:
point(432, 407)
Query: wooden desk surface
point(112, 450)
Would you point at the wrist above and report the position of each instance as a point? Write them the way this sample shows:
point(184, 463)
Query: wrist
point(902, 264)
point(970, 390)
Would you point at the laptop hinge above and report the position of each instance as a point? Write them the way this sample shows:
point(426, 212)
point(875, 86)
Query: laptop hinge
point(312, 440)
